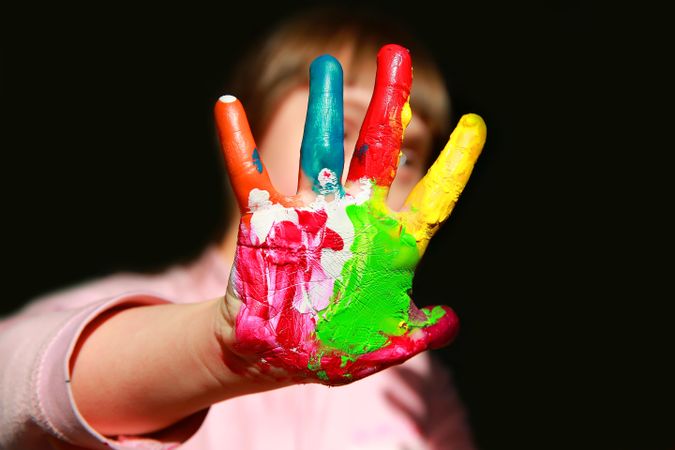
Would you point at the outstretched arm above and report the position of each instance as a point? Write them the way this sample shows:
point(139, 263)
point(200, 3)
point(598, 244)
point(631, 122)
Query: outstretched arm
point(141, 369)
point(320, 286)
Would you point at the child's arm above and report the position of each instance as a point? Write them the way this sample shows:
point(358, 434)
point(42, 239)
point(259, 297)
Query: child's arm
point(140, 369)
point(321, 281)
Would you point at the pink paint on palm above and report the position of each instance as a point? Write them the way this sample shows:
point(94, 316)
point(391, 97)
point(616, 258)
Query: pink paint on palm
point(284, 268)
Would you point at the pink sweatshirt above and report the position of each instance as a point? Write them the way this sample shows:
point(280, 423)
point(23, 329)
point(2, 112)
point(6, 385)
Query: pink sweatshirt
point(411, 406)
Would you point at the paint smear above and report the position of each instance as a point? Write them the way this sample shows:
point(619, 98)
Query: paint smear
point(322, 286)
point(434, 197)
point(323, 140)
point(371, 302)
point(386, 118)
point(256, 160)
point(325, 288)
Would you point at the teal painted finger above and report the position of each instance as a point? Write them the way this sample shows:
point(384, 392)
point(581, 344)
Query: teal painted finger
point(322, 150)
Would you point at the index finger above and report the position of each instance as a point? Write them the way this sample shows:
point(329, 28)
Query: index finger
point(433, 198)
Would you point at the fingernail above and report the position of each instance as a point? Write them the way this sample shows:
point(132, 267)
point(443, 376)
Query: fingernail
point(227, 98)
point(470, 120)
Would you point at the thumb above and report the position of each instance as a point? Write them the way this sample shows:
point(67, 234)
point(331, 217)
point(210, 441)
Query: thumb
point(429, 328)
point(441, 325)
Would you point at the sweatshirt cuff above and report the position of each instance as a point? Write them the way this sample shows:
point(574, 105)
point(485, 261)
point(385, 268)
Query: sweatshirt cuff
point(55, 395)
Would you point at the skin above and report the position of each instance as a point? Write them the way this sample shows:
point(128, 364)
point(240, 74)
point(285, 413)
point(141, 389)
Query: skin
point(233, 345)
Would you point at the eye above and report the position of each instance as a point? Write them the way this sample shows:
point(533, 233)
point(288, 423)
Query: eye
point(402, 159)
point(407, 158)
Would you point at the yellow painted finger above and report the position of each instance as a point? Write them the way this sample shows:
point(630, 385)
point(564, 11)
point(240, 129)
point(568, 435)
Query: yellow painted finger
point(434, 197)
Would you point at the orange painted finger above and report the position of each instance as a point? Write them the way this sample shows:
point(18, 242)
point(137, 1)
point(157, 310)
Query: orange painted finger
point(379, 144)
point(248, 176)
point(434, 197)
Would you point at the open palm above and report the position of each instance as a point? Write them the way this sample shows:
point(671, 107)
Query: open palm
point(321, 282)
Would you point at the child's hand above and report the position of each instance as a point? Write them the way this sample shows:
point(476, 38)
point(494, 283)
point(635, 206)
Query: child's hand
point(321, 282)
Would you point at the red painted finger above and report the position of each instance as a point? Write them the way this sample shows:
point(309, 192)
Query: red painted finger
point(378, 146)
point(248, 176)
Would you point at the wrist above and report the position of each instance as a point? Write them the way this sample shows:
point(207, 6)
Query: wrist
point(237, 374)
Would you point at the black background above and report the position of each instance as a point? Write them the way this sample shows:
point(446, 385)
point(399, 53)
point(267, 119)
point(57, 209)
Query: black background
point(112, 164)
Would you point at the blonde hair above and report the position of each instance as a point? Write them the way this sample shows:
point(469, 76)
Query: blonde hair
point(280, 62)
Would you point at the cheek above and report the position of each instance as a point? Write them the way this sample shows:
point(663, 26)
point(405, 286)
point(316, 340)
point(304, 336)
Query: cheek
point(280, 146)
point(405, 181)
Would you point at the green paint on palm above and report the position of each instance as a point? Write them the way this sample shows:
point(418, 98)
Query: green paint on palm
point(371, 302)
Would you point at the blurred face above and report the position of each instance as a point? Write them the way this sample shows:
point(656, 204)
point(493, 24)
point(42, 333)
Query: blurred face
point(280, 146)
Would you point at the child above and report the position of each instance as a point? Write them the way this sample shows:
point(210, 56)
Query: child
point(130, 361)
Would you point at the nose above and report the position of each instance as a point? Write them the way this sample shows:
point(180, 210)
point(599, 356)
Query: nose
point(356, 100)
point(350, 142)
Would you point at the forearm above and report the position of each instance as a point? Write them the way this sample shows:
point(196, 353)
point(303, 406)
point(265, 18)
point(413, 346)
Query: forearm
point(141, 369)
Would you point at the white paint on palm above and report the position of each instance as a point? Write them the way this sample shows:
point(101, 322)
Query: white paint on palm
point(315, 294)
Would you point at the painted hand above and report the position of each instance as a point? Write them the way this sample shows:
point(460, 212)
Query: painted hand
point(320, 286)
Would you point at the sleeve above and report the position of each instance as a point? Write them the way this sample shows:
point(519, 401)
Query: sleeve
point(426, 395)
point(37, 410)
point(447, 426)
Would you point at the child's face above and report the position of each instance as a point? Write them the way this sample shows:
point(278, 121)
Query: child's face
point(280, 146)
